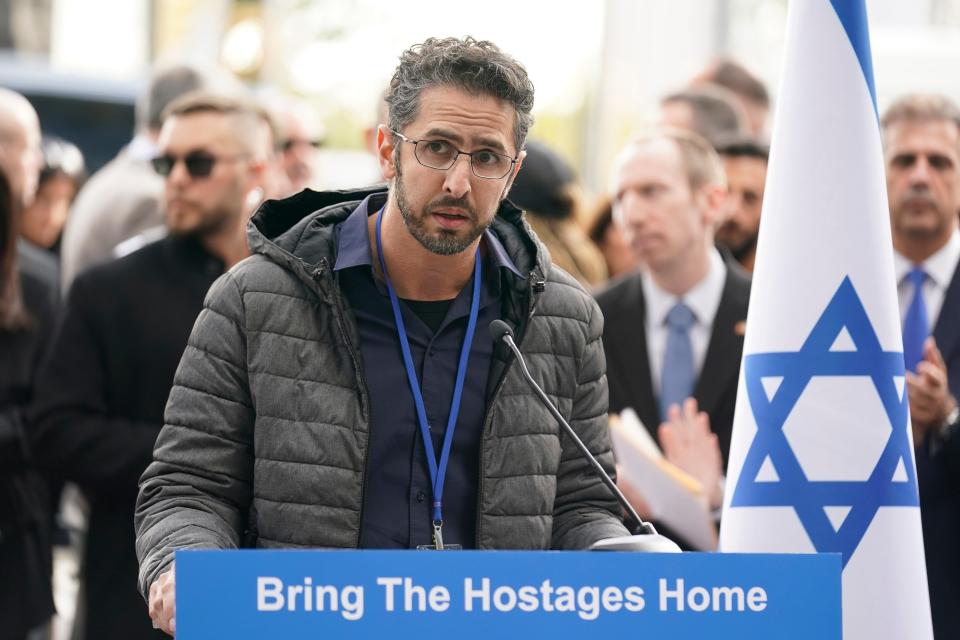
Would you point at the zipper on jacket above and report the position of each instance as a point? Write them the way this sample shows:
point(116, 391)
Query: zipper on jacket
point(336, 303)
point(538, 286)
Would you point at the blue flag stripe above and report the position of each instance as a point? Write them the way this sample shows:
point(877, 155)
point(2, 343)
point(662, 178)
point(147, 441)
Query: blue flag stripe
point(853, 17)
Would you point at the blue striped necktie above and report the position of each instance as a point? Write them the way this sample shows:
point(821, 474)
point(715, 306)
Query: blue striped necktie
point(677, 375)
point(916, 325)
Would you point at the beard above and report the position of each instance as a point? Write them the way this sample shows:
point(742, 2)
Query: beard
point(739, 241)
point(444, 242)
point(192, 222)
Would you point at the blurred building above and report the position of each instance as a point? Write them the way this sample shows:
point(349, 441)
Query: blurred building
point(599, 69)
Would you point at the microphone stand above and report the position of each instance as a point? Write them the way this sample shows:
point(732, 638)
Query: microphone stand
point(647, 539)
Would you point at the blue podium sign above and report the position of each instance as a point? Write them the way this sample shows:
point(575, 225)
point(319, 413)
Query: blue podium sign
point(505, 594)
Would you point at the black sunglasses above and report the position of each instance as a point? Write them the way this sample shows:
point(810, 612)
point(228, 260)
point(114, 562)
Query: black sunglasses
point(199, 163)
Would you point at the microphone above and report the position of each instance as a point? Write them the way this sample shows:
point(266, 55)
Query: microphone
point(648, 539)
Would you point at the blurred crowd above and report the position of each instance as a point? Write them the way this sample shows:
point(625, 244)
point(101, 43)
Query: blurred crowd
point(103, 275)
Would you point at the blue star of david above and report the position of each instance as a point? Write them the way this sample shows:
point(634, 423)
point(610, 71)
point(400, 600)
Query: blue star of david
point(793, 489)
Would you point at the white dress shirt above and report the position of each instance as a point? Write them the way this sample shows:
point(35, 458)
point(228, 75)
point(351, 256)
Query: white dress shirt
point(703, 299)
point(940, 268)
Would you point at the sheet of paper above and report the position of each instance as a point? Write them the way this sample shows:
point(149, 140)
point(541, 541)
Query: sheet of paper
point(675, 498)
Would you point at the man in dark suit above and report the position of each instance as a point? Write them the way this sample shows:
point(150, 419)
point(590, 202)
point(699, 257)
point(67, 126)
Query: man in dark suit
point(674, 329)
point(922, 155)
point(100, 396)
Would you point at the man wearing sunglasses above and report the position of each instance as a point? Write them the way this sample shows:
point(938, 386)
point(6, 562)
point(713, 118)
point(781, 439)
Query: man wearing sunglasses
point(329, 372)
point(301, 136)
point(100, 397)
point(122, 199)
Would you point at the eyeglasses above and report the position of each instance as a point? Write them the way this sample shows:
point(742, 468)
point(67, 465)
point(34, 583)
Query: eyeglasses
point(441, 155)
point(286, 145)
point(199, 164)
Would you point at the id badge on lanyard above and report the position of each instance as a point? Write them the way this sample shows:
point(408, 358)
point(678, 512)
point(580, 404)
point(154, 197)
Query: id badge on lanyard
point(438, 470)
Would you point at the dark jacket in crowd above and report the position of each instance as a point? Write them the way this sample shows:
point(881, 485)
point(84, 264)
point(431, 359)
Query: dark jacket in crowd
point(99, 405)
point(938, 479)
point(25, 564)
point(267, 426)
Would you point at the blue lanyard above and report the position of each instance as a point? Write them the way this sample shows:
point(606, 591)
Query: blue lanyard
point(437, 472)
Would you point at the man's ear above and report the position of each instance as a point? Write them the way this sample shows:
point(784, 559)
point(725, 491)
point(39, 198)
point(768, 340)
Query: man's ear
point(513, 173)
point(712, 201)
point(259, 173)
point(520, 159)
point(265, 179)
point(385, 149)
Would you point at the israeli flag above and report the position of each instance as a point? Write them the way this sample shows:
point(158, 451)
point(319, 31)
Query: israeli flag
point(822, 454)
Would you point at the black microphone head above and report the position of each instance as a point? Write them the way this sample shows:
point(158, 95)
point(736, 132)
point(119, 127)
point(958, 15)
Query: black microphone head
point(499, 329)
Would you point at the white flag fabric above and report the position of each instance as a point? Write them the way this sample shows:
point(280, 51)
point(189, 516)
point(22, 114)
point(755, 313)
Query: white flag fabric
point(821, 458)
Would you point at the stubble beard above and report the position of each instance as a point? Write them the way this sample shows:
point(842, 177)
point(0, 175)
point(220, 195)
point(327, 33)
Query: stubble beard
point(444, 242)
point(209, 223)
point(740, 250)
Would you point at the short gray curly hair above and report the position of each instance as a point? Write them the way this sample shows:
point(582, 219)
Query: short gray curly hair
point(476, 66)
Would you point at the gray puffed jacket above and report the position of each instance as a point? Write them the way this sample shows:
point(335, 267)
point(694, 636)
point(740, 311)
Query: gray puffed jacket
point(266, 428)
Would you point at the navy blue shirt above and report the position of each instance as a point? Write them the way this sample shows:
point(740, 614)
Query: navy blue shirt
point(397, 495)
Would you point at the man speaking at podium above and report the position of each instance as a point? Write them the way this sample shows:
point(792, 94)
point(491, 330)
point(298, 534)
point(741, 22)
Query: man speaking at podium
point(340, 387)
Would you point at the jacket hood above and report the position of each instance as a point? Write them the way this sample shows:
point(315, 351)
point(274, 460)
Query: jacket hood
point(297, 232)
